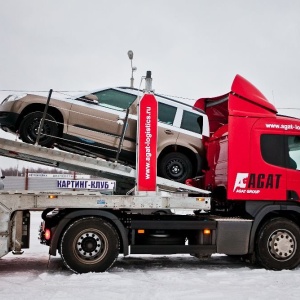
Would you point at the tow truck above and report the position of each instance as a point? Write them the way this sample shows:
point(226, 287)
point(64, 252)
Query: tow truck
point(245, 203)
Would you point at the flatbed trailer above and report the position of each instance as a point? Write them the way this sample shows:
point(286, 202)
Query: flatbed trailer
point(136, 224)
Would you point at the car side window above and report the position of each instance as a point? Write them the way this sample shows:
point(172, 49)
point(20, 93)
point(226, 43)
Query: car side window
point(114, 99)
point(166, 113)
point(192, 122)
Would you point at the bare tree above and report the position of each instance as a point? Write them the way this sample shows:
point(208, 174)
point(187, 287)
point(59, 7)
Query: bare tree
point(16, 172)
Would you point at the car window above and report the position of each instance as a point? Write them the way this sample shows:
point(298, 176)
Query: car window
point(192, 122)
point(166, 113)
point(114, 99)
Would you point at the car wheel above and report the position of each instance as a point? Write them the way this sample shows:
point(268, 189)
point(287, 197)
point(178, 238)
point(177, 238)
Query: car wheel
point(89, 245)
point(175, 166)
point(278, 244)
point(29, 127)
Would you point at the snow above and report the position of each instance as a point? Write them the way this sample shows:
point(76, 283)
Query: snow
point(33, 276)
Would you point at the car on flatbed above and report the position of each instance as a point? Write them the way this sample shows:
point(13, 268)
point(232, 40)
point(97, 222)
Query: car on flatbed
point(92, 124)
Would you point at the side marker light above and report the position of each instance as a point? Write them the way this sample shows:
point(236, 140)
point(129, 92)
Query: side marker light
point(206, 231)
point(47, 234)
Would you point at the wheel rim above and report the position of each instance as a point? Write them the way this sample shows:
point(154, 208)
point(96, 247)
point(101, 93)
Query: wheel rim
point(282, 245)
point(175, 169)
point(90, 246)
point(33, 130)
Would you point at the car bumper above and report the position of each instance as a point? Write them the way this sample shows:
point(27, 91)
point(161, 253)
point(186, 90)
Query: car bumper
point(8, 121)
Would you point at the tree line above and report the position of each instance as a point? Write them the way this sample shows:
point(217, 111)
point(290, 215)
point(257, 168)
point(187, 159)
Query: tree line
point(21, 172)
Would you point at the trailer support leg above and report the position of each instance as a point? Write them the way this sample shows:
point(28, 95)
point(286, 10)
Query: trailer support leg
point(17, 233)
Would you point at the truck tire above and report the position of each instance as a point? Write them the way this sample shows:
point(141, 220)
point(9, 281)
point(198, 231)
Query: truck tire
point(278, 244)
point(29, 126)
point(175, 166)
point(89, 245)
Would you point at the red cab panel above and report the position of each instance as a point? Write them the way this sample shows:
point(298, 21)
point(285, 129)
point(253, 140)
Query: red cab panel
point(253, 153)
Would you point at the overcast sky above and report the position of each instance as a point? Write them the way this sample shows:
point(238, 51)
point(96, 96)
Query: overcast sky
point(194, 48)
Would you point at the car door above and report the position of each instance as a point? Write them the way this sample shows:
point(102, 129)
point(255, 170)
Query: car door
point(191, 128)
point(167, 132)
point(102, 122)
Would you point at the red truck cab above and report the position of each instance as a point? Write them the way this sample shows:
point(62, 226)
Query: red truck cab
point(253, 152)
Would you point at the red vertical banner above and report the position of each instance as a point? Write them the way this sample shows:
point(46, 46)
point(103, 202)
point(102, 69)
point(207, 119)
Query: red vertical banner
point(147, 144)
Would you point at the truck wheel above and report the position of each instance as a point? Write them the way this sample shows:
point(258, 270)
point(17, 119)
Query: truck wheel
point(278, 245)
point(30, 125)
point(175, 166)
point(89, 245)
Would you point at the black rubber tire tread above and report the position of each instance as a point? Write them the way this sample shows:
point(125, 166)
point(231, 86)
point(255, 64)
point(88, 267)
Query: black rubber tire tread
point(264, 257)
point(110, 242)
point(185, 162)
point(32, 119)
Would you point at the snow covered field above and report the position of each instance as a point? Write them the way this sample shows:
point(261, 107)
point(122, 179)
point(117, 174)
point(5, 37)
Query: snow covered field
point(141, 277)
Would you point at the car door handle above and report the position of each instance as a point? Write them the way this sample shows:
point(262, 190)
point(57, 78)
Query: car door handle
point(167, 131)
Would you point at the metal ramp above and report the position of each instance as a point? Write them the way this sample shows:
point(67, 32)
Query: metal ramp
point(125, 176)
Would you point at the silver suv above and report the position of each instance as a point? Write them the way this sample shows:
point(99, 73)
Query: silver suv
point(93, 123)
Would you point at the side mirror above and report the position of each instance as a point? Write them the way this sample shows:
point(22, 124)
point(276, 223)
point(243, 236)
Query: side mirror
point(2, 177)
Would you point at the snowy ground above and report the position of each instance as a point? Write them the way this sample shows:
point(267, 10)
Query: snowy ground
point(141, 277)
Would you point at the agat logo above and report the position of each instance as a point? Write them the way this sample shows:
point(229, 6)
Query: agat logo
point(251, 183)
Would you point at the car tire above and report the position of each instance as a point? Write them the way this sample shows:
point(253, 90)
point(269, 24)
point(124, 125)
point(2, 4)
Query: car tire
point(28, 129)
point(175, 166)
